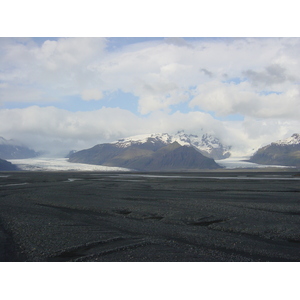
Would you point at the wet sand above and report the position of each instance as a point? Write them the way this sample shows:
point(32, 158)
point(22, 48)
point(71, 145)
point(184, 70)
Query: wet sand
point(119, 217)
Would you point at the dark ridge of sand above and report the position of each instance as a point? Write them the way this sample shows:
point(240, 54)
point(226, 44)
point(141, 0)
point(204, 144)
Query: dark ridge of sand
point(118, 217)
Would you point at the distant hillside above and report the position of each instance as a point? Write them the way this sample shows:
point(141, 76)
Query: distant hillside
point(10, 149)
point(284, 152)
point(148, 156)
point(7, 166)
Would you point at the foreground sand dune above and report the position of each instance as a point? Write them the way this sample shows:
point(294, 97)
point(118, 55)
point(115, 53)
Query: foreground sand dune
point(81, 216)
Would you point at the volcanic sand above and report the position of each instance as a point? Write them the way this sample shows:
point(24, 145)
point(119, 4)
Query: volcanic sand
point(118, 217)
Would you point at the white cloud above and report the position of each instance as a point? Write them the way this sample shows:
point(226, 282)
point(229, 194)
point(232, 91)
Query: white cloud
point(73, 66)
point(229, 98)
point(50, 128)
point(255, 78)
point(56, 67)
point(58, 130)
point(20, 94)
point(92, 94)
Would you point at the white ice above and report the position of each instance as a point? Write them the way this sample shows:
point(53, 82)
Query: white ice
point(58, 164)
point(239, 162)
point(62, 164)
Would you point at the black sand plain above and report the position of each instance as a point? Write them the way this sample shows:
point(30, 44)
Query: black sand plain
point(139, 217)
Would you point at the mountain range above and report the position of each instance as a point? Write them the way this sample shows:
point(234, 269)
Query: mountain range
point(10, 149)
point(154, 152)
point(283, 152)
point(162, 152)
point(208, 145)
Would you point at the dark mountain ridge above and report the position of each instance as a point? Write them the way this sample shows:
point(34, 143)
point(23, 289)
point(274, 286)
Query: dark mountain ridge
point(285, 153)
point(148, 156)
point(7, 166)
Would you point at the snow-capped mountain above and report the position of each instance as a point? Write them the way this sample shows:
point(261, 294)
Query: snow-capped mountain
point(293, 140)
point(153, 152)
point(283, 152)
point(208, 145)
point(10, 149)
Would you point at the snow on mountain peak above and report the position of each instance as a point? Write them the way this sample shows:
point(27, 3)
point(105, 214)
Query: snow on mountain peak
point(293, 140)
point(143, 138)
point(206, 144)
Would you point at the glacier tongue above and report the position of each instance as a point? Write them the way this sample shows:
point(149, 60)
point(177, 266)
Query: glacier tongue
point(59, 164)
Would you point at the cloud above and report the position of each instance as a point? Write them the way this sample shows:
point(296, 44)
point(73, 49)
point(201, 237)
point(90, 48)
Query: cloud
point(261, 85)
point(273, 74)
point(206, 72)
point(56, 130)
point(55, 68)
point(92, 94)
point(177, 41)
point(17, 93)
point(50, 128)
point(73, 66)
point(229, 98)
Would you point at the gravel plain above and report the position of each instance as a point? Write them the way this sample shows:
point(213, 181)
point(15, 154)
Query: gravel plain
point(148, 217)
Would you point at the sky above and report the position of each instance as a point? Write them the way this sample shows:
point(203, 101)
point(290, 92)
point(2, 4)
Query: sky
point(81, 75)
point(72, 93)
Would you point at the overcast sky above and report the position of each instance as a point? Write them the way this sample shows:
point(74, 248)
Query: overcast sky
point(73, 93)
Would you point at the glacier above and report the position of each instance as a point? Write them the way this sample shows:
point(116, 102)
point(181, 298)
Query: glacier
point(242, 163)
point(62, 164)
point(59, 164)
